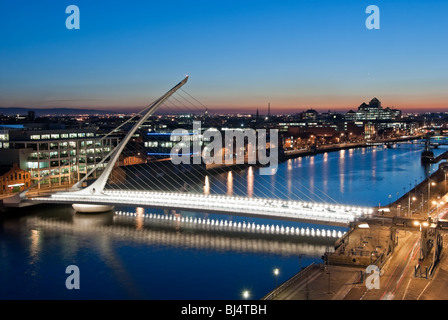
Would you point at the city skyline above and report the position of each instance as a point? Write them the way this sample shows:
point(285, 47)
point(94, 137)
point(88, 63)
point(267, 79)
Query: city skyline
point(240, 55)
point(256, 111)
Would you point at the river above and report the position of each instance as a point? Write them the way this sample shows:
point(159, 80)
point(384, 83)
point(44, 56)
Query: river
point(127, 254)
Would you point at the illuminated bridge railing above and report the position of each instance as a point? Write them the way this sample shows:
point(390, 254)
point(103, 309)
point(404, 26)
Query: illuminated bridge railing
point(282, 209)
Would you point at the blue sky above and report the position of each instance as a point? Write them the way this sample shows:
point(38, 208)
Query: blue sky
point(240, 55)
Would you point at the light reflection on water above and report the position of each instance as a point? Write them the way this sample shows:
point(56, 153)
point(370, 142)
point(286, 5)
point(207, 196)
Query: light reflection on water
point(122, 258)
point(364, 176)
point(134, 258)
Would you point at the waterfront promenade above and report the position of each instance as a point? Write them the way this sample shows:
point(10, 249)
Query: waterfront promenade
point(347, 145)
point(309, 151)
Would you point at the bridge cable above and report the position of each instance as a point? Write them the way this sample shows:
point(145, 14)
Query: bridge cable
point(222, 169)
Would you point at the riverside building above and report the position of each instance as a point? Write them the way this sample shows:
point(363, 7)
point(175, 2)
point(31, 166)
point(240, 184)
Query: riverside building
point(54, 157)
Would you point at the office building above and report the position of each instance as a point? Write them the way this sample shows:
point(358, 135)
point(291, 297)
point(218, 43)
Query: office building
point(54, 157)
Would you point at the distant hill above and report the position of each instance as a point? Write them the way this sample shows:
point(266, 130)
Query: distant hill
point(54, 111)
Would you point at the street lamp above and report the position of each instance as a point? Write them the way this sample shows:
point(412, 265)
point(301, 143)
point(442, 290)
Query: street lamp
point(246, 294)
point(276, 273)
point(429, 192)
point(409, 202)
point(445, 179)
point(421, 224)
point(423, 203)
point(441, 203)
point(409, 206)
point(437, 206)
point(413, 199)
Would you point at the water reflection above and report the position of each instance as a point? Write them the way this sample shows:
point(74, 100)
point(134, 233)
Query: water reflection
point(80, 220)
point(207, 185)
point(341, 166)
point(130, 253)
point(140, 218)
point(289, 177)
point(351, 152)
point(363, 176)
point(250, 182)
point(230, 183)
point(109, 228)
point(34, 245)
point(325, 172)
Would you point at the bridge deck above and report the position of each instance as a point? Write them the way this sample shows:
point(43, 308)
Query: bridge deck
point(242, 206)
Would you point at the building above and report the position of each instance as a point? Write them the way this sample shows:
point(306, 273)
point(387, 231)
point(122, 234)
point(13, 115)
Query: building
point(132, 160)
point(372, 112)
point(55, 157)
point(310, 114)
point(13, 179)
point(350, 115)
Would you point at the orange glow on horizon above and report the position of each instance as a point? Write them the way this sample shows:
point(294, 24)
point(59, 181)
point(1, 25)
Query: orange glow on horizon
point(289, 105)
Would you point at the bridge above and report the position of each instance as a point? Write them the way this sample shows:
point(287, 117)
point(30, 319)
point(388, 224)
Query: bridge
point(240, 206)
point(96, 198)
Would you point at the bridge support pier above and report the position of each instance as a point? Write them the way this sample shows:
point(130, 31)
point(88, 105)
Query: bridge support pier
point(91, 208)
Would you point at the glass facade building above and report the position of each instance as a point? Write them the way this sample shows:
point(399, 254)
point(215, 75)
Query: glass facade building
point(55, 157)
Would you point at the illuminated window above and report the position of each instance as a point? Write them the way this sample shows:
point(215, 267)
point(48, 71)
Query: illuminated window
point(150, 144)
point(166, 144)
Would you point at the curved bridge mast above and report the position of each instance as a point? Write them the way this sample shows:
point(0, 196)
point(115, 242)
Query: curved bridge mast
point(98, 186)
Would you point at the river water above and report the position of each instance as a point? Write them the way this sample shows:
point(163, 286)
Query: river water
point(133, 254)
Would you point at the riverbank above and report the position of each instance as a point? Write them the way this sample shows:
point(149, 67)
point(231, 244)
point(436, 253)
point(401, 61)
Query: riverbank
point(291, 154)
point(344, 146)
point(424, 198)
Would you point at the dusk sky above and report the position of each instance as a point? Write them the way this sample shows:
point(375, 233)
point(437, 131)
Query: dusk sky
point(239, 54)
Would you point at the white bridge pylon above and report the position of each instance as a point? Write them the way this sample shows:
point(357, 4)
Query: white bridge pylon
point(98, 186)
